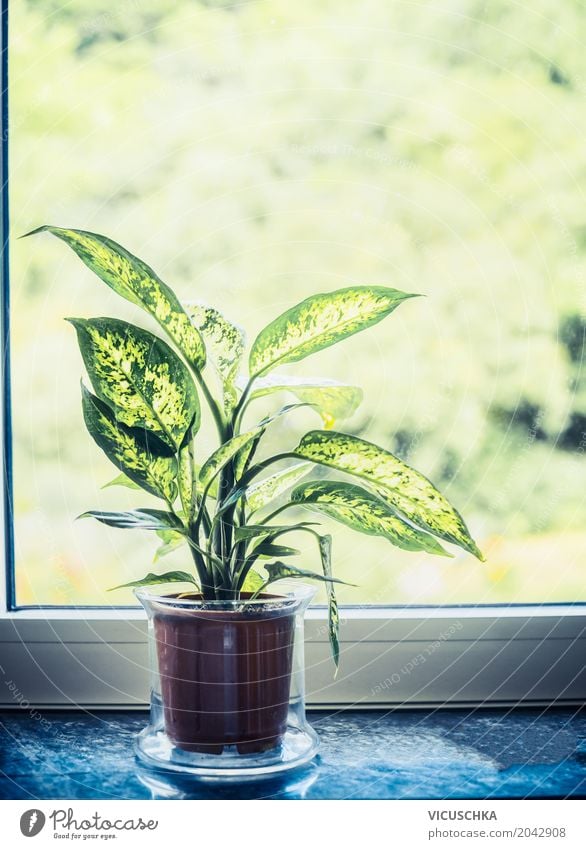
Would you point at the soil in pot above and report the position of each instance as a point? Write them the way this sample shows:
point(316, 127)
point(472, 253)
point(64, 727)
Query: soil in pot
point(225, 675)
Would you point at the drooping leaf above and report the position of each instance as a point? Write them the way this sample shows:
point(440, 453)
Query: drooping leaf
point(140, 377)
point(262, 493)
point(122, 480)
point(151, 578)
point(333, 401)
point(132, 278)
point(224, 343)
point(361, 510)
point(141, 519)
point(321, 321)
point(141, 456)
point(225, 453)
point(407, 490)
point(325, 551)
point(278, 571)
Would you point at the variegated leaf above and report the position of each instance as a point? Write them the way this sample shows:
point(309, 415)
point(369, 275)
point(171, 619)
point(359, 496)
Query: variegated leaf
point(141, 456)
point(278, 571)
point(224, 344)
point(407, 490)
point(152, 579)
point(142, 519)
point(321, 321)
point(132, 278)
point(325, 551)
point(253, 582)
point(333, 401)
point(361, 510)
point(213, 488)
point(244, 457)
point(139, 376)
point(225, 453)
point(262, 493)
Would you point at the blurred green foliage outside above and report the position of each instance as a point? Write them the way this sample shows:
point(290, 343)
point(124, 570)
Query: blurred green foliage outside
point(255, 153)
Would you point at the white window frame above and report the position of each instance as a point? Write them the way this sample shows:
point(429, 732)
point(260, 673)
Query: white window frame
point(390, 657)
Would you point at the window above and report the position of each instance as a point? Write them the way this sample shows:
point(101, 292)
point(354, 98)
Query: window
point(254, 153)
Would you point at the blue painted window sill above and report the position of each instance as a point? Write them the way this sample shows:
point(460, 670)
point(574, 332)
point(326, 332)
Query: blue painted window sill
point(442, 754)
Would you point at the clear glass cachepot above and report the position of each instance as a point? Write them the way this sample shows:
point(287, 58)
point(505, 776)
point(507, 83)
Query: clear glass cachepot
point(227, 685)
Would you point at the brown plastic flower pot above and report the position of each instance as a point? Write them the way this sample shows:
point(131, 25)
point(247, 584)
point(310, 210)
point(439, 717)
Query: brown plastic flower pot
point(225, 674)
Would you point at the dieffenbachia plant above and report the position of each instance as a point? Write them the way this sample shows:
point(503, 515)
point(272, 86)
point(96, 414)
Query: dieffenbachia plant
point(144, 413)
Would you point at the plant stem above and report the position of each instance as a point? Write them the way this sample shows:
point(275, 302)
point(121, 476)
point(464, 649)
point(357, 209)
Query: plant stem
point(195, 550)
point(200, 569)
point(264, 464)
point(207, 522)
point(241, 405)
point(239, 549)
point(222, 530)
point(214, 408)
point(277, 511)
point(193, 502)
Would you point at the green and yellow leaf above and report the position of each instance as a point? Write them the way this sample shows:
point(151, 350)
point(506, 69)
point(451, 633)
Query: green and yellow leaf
point(321, 321)
point(225, 453)
point(333, 401)
point(186, 477)
point(267, 490)
point(134, 280)
point(140, 377)
point(361, 510)
point(407, 490)
point(224, 343)
point(279, 571)
point(253, 582)
point(244, 457)
point(325, 551)
point(141, 456)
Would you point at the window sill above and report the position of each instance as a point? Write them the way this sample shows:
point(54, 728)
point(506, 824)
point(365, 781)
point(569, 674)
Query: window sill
point(364, 755)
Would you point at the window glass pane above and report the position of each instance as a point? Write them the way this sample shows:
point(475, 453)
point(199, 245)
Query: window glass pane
point(255, 153)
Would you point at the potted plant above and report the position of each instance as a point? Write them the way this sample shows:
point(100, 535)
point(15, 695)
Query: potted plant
point(226, 681)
